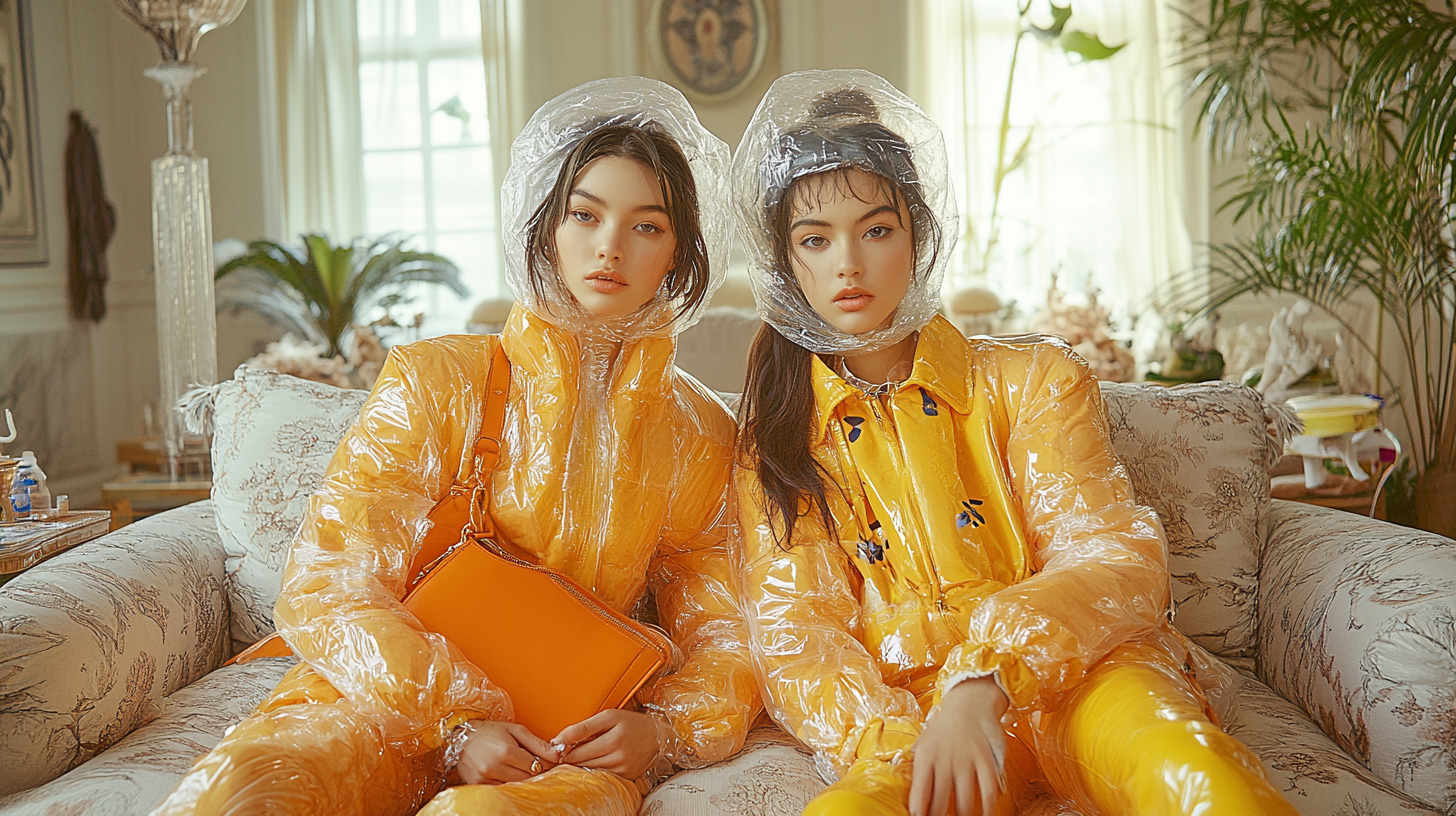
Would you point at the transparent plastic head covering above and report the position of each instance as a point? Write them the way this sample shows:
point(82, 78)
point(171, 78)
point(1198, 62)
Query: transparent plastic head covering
point(537, 157)
point(821, 121)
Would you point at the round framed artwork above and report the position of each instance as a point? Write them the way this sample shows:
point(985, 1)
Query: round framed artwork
point(711, 47)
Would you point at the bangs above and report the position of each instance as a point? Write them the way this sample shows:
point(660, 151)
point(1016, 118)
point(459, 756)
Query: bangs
point(809, 193)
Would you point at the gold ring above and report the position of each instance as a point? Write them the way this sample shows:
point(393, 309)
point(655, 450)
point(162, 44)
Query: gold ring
point(535, 765)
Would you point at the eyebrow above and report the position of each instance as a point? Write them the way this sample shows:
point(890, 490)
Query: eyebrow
point(876, 211)
point(598, 200)
point(814, 222)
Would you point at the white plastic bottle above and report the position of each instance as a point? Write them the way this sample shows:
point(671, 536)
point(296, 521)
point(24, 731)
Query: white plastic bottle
point(20, 496)
point(34, 481)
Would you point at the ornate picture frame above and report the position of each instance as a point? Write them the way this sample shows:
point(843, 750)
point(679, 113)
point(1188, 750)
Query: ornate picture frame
point(22, 211)
point(711, 49)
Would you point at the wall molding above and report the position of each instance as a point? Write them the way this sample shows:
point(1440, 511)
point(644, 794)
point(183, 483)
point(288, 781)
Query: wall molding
point(271, 179)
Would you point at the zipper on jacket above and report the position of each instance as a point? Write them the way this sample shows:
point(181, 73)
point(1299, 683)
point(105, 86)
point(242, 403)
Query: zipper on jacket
point(897, 450)
point(923, 531)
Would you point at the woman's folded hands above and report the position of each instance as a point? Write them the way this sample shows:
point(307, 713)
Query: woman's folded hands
point(623, 742)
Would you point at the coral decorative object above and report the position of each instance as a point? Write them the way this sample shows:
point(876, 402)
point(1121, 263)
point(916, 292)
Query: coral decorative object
point(1089, 329)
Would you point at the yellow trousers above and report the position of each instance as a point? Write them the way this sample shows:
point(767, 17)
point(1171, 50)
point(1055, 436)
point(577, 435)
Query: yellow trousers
point(306, 751)
point(1135, 738)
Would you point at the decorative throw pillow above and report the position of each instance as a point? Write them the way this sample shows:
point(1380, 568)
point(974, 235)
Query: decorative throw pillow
point(273, 439)
point(1200, 456)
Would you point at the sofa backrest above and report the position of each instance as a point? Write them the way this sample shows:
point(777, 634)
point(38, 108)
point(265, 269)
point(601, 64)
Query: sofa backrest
point(1200, 456)
point(1197, 454)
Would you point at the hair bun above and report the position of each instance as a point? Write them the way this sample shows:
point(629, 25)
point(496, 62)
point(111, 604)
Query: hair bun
point(848, 102)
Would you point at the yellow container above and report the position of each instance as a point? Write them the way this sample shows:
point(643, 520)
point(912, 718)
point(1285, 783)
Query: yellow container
point(1337, 415)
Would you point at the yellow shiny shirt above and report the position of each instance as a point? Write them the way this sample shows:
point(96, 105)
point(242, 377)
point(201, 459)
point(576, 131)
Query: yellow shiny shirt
point(983, 527)
point(616, 477)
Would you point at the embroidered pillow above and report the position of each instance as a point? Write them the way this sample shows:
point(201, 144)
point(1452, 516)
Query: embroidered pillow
point(273, 439)
point(1200, 455)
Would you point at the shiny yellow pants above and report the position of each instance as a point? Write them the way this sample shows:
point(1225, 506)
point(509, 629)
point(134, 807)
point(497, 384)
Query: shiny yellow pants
point(307, 751)
point(1135, 738)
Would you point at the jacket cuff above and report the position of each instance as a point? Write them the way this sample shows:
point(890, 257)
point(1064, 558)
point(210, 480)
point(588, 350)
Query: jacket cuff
point(1015, 680)
point(672, 751)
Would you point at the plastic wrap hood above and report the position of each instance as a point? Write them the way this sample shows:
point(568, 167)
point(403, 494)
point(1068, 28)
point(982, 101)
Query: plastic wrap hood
point(819, 121)
point(536, 160)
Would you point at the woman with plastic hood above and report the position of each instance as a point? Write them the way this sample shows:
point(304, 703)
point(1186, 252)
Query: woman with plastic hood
point(614, 470)
point(952, 596)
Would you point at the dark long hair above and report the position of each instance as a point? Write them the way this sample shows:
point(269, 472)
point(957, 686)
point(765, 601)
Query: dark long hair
point(653, 147)
point(776, 415)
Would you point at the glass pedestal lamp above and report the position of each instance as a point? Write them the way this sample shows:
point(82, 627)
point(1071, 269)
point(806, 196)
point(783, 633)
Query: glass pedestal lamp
point(181, 209)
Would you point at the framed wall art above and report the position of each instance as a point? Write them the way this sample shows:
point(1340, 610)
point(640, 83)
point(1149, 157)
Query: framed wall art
point(22, 216)
point(712, 48)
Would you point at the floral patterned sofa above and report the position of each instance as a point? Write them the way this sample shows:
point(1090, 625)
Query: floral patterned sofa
point(1342, 630)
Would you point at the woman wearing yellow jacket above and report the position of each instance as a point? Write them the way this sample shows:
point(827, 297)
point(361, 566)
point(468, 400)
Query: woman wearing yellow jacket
point(614, 470)
point(952, 596)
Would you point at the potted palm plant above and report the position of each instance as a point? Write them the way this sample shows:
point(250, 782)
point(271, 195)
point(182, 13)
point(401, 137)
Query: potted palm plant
point(1343, 114)
point(323, 293)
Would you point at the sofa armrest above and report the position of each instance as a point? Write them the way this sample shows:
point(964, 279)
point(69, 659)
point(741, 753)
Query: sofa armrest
point(91, 639)
point(1357, 626)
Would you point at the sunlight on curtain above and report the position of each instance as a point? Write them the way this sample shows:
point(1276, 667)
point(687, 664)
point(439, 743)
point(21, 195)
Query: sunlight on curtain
point(428, 168)
point(1098, 199)
point(317, 117)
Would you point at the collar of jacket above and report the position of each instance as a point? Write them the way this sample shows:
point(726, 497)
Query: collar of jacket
point(942, 367)
point(545, 352)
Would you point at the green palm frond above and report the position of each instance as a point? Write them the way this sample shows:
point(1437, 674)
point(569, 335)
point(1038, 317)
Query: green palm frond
point(319, 290)
point(1343, 113)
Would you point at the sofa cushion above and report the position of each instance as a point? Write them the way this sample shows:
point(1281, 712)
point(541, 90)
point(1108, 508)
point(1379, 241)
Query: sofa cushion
point(135, 775)
point(1311, 770)
point(94, 638)
point(1200, 455)
point(274, 436)
point(772, 776)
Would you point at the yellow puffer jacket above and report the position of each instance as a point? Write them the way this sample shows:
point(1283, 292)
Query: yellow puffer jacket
point(984, 529)
point(617, 478)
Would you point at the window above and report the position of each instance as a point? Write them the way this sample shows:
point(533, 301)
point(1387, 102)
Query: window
point(1096, 197)
point(426, 143)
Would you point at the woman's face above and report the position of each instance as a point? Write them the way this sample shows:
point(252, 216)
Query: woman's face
point(617, 243)
point(851, 249)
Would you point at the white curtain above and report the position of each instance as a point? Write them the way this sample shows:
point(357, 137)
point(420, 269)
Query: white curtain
point(315, 112)
point(501, 23)
point(1099, 197)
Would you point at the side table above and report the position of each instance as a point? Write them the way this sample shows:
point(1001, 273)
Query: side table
point(137, 495)
point(27, 543)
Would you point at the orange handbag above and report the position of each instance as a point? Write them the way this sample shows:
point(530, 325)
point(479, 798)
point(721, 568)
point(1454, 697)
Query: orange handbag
point(554, 647)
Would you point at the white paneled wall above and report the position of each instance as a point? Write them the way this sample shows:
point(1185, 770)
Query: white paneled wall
point(95, 379)
point(79, 387)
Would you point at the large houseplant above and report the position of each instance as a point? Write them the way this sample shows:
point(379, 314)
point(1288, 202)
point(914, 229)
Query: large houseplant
point(1343, 113)
point(320, 291)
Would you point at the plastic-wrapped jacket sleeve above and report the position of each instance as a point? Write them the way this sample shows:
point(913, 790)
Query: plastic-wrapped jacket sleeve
point(710, 702)
point(1102, 575)
point(340, 605)
point(820, 682)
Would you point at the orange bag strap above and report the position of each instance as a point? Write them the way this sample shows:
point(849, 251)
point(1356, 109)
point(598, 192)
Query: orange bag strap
point(488, 444)
point(466, 504)
point(492, 420)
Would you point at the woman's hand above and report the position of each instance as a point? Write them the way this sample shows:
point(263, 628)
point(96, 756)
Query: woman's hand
point(497, 752)
point(960, 755)
point(623, 742)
